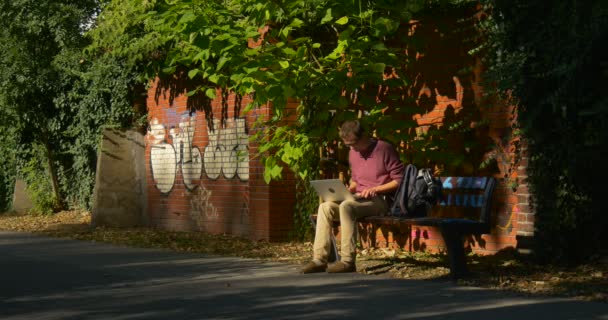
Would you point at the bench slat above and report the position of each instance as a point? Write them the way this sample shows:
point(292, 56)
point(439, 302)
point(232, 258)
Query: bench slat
point(464, 182)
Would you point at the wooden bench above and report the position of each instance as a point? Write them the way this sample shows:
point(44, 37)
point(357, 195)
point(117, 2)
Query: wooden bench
point(464, 210)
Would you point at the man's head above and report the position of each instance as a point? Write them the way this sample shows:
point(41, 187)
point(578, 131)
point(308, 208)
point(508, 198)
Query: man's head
point(353, 135)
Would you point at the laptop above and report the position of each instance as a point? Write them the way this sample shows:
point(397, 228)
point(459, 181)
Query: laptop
point(332, 190)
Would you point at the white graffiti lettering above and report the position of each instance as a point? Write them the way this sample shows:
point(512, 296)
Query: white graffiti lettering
point(187, 155)
point(162, 158)
point(227, 153)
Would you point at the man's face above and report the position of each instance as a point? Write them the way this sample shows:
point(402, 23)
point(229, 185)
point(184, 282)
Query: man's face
point(353, 142)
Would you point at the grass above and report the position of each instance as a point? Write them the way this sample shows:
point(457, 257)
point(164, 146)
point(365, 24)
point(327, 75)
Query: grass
point(506, 270)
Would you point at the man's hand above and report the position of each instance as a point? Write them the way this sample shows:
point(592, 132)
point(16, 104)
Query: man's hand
point(369, 193)
point(352, 187)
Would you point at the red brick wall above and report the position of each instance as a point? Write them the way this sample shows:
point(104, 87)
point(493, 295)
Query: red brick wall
point(448, 83)
point(205, 198)
point(512, 216)
point(203, 179)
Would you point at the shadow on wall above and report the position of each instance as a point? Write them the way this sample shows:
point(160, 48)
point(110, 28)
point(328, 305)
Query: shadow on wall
point(443, 120)
point(446, 78)
point(438, 119)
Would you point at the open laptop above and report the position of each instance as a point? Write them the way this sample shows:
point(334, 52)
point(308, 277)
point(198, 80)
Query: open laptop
point(332, 190)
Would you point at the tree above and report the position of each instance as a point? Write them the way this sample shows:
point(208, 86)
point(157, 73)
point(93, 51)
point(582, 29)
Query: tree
point(554, 69)
point(338, 59)
point(38, 40)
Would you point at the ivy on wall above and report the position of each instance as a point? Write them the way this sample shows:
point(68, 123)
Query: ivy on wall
point(55, 98)
point(552, 60)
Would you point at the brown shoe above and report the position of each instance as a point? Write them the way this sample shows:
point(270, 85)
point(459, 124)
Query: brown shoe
point(312, 267)
point(342, 267)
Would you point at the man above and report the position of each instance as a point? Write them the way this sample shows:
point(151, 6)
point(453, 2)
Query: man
point(375, 171)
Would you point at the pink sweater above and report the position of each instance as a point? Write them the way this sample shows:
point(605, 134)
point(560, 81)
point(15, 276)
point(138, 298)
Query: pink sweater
point(377, 165)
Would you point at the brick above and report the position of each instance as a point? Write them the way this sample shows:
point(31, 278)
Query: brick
point(525, 208)
point(522, 199)
point(525, 227)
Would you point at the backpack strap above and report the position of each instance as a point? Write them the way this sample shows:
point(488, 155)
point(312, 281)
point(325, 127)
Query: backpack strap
point(427, 177)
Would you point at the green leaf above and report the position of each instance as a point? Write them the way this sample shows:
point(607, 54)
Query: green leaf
point(342, 21)
point(221, 62)
point(215, 78)
point(289, 51)
point(284, 64)
point(383, 26)
point(296, 23)
point(201, 56)
point(249, 107)
point(377, 67)
point(222, 37)
point(251, 70)
point(189, 16)
point(237, 77)
point(210, 93)
point(379, 47)
point(169, 70)
point(192, 73)
point(285, 31)
point(275, 171)
point(252, 52)
point(252, 34)
point(327, 18)
point(264, 147)
point(337, 53)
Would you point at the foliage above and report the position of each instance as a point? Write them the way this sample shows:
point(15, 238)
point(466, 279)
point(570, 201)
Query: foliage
point(555, 69)
point(33, 34)
point(59, 97)
point(7, 167)
point(104, 92)
point(39, 187)
point(315, 63)
point(307, 201)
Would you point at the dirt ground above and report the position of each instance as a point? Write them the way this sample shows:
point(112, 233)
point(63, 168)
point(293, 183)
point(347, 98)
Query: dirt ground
point(507, 270)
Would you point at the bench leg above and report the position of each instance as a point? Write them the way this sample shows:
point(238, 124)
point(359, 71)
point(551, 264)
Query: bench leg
point(333, 250)
point(455, 245)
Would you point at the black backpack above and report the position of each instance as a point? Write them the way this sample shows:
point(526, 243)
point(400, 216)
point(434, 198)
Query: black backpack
point(417, 193)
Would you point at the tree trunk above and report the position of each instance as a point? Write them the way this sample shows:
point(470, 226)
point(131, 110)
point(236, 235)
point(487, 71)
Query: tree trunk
point(53, 174)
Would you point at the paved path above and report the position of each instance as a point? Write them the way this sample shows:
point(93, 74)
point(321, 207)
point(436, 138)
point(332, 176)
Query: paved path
point(46, 278)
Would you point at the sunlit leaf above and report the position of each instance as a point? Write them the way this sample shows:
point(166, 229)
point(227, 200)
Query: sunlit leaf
point(192, 73)
point(342, 21)
point(210, 93)
point(328, 17)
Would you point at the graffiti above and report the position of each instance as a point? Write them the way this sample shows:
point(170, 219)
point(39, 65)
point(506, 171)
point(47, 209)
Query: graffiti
point(227, 152)
point(187, 155)
point(162, 158)
point(508, 224)
point(201, 207)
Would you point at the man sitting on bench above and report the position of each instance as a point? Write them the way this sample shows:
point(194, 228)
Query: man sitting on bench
point(375, 170)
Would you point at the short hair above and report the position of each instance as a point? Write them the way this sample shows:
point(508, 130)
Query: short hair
point(351, 127)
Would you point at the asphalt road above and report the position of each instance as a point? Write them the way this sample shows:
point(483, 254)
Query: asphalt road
point(47, 278)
